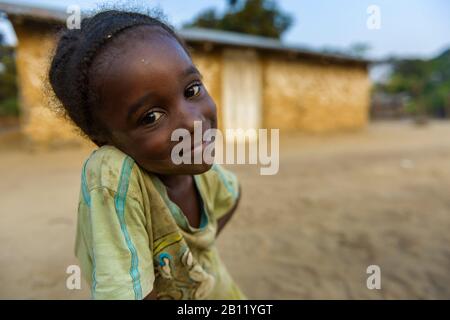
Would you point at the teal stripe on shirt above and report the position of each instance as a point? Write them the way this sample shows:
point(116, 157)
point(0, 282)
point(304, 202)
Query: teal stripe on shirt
point(87, 200)
point(84, 188)
point(225, 181)
point(119, 200)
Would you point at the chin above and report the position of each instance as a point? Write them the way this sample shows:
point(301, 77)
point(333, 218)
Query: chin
point(194, 168)
point(182, 169)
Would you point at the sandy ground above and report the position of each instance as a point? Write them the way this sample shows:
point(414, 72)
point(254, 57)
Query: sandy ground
point(338, 204)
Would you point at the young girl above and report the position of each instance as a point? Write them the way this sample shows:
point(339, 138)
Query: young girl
point(146, 226)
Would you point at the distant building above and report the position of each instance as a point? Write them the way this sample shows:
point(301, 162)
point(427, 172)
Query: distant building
point(388, 106)
point(256, 82)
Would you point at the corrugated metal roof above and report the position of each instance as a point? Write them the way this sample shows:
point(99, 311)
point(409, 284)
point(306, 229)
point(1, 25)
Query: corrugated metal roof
point(36, 11)
point(245, 40)
point(226, 38)
point(231, 38)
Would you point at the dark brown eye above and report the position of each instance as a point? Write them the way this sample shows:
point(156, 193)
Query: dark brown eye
point(193, 91)
point(151, 117)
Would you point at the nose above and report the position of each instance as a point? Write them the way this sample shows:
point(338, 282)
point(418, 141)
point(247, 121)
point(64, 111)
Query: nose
point(188, 114)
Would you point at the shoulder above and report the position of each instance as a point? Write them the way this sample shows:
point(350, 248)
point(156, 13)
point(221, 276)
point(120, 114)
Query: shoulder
point(108, 167)
point(220, 182)
point(221, 191)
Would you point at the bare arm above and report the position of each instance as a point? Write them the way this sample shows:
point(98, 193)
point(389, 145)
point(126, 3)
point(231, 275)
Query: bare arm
point(151, 296)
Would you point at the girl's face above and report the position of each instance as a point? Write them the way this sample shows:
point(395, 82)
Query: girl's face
point(149, 87)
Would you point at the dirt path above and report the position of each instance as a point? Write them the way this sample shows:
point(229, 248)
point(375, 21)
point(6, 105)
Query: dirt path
point(338, 205)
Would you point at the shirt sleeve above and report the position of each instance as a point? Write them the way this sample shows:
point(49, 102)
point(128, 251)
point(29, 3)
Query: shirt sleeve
point(227, 191)
point(122, 264)
point(114, 238)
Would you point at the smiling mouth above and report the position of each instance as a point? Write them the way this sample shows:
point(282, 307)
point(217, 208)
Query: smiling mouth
point(197, 148)
point(200, 147)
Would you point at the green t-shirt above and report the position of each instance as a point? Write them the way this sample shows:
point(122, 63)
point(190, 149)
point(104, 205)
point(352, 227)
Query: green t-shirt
point(131, 238)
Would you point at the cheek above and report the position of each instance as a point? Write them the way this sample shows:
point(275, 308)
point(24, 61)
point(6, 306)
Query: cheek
point(153, 147)
point(210, 111)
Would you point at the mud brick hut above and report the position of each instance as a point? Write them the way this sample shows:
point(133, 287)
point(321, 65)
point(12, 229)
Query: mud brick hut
point(256, 82)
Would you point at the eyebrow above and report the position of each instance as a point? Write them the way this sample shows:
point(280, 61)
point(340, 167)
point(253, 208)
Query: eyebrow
point(190, 70)
point(141, 101)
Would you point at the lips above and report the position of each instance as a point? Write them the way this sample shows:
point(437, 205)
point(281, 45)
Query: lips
point(199, 147)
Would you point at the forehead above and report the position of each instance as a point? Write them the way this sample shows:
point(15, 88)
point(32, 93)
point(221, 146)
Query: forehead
point(153, 45)
point(137, 60)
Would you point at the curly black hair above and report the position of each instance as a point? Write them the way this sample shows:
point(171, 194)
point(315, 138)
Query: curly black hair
point(76, 49)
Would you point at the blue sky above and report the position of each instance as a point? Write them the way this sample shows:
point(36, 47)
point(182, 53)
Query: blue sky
point(408, 27)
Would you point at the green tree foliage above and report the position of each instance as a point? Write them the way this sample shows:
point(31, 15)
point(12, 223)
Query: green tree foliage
point(256, 17)
point(425, 82)
point(8, 86)
point(359, 49)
